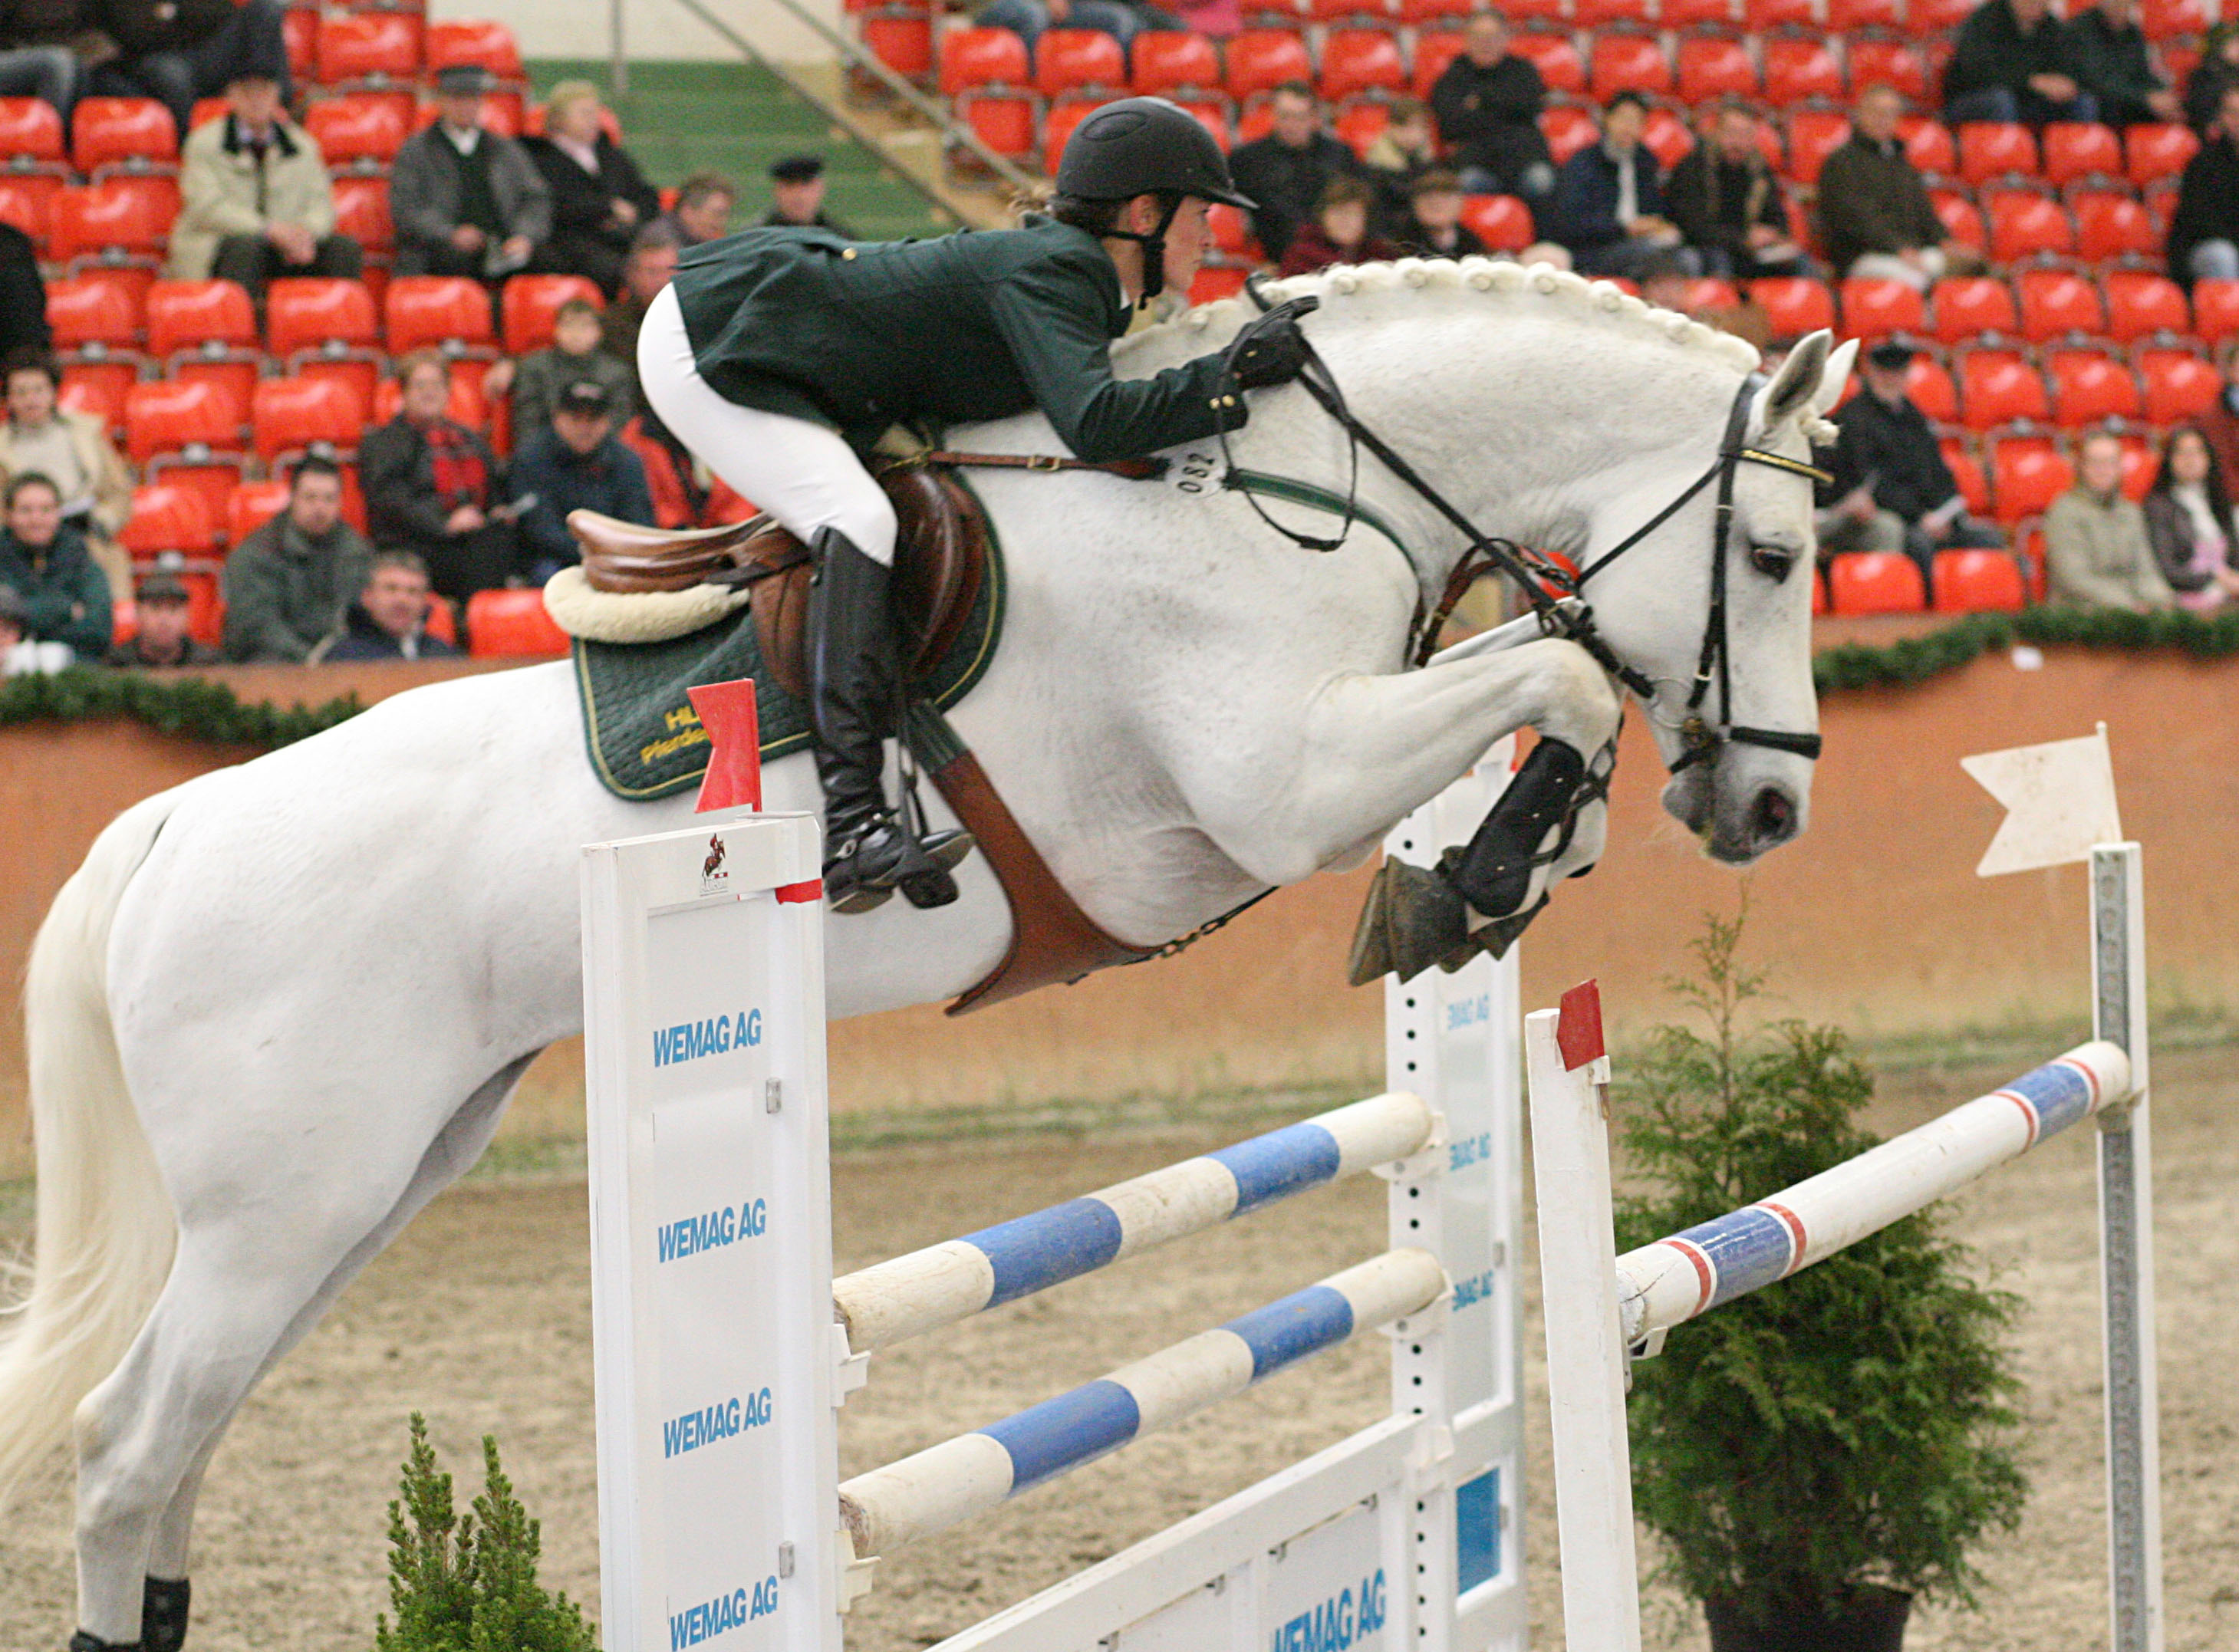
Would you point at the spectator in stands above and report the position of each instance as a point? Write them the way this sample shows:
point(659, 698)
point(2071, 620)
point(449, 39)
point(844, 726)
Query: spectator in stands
point(19, 656)
point(466, 201)
point(2114, 68)
point(1665, 283)
point(573, 354)
point(257, 201)
point(1488, 101)
point(43, 560)
point(575, 463)
point(2221, 422)
point(73, 451)
point(35, 59)
point(1339, 233)
point(22, 296)
point(1286, 172)
point(600, 199)
point(1219, 18)
point(2188, 523)
point(1433, 226)
point(1875, 216)
point(703, 213)
point(2203, 232)
point(1398, 154)
point(1729, 205)
point(178, 51)
point(389, 619)
point(2012, 60)
point(431, 485)
point(160, 640)
point(1608, 206)
point(2216, 71)
point(289, 583)
point(1892, 490)
point(2095, 550)
point(652, 261)
point(797, 189)
point(1028, 19)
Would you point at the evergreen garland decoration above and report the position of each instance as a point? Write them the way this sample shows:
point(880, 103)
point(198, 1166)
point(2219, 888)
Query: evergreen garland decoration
point(187, 706)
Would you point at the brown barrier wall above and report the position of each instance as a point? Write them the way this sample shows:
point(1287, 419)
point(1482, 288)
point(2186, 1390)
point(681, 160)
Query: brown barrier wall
point(1875, 918)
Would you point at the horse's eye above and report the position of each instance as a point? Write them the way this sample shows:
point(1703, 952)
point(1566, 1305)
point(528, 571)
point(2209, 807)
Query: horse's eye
point(1772, 560)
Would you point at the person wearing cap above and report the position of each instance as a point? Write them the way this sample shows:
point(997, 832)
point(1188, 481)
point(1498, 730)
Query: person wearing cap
point(783, 355)
point(178, 51)
point(1286, 172)
point(575, 463)
point(599, 198)
point(160, 640)
point(1892, 489)
point(289, 582)
point(797, 188)
point(255, 198)
point(43, 559)
point(466, 201)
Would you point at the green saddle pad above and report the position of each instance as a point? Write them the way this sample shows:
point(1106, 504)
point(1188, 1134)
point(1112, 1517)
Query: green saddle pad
point(645, 740)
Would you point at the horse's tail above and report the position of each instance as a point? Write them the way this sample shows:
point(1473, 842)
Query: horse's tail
point(105, 1229)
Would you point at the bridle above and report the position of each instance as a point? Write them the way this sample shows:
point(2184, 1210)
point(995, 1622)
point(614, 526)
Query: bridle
point(1556, 595)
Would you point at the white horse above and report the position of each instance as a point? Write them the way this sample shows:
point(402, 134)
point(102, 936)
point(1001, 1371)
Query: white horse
point(282, 1006)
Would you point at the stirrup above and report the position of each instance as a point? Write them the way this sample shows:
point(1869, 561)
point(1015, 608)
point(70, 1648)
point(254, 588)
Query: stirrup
point(919, 866)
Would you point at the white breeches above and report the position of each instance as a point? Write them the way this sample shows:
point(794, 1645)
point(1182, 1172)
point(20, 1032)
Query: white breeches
point(799, 472)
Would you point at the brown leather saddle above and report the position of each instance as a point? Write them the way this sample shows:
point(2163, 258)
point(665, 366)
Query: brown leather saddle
point(941, 563)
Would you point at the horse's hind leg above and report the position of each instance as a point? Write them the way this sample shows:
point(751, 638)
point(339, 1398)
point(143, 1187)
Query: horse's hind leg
point(224, 1319)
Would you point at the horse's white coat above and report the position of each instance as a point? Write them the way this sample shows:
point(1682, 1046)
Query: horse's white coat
point(330, 966)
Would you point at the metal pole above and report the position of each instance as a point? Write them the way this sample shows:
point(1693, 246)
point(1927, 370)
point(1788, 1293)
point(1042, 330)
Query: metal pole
point(618, 69)
point(2126, 1256)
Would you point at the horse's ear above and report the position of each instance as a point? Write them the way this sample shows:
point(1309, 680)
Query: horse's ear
point(1795, 388)
point(1838, 375)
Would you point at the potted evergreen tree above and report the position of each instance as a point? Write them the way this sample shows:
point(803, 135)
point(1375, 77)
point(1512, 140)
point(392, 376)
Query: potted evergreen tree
point(1817, 1454)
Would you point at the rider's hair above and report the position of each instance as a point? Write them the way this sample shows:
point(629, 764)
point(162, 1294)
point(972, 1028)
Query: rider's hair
point(1097, 217)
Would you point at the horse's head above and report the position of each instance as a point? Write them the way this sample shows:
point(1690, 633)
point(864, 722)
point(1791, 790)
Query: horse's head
point(1739, 780)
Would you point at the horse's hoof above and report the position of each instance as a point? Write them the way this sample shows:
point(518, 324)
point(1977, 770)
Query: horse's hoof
point(1370, 956)
point(1425, 916)
point(1496, 938)
point(163, 1615)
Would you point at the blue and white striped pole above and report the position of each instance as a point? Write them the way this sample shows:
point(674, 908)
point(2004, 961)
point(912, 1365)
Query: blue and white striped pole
point(973, 1473)
point(945, 1283)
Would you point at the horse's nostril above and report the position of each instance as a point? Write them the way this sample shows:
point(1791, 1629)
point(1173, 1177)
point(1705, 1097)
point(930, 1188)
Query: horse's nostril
point(1772, 818)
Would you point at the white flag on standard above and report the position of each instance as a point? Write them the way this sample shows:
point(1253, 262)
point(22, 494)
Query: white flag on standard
point(2059, 799)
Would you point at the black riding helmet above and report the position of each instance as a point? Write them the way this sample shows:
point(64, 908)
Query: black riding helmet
point(1147, 146)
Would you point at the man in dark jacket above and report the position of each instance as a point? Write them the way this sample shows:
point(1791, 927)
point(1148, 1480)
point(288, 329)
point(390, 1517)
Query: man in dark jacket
point(35, 59)
point(2203, 232)
point(797, 189)
point(179, 50)
point(1487, 103)
point(1727, 202)
point(44, 562)
point(389, 619)
point(600, 199)
point(2111, 62)
point(1286, 172)
point(466, 201)
point(287, 584)
point(23, 296)
point(1608, 208)
point(160, 639)
point(431, 484)
point(575, 463)
point(1892, 490)
point(2011, 63)
point(1875, 216)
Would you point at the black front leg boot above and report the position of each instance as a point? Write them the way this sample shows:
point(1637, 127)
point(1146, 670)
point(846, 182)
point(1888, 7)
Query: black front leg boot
point(1494, 872)
point(163, 1615)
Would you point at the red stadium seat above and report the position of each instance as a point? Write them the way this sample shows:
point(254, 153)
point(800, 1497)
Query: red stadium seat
point(902, 38)
point(1361, 60)
point(1360, 123)
point(971, 59)
point(1798, 70)
point(1813, 135)
point(2215, 309)
point(2023, 226)
point(1232, 233)
point(1886, 62)
point(2110, 225)
point(1928, 382)
point(2157, 152)
point(362, 212)
point(1997, 387)
point(1682, 15)
point(2140, 303)
point(290, 413)
point(191, 315)
point(1567, 128)
point(1875, 309)
point(484, 45)
point(1711, 67)
point(1171, 60)
point(1666, 137)
point(1261, 59)
point(1924, 18)
point(1967, 307)
point(1967, 471)
point(1058, 127)
point(1929, 146)
point(2178, 385)
point(1991, 150)
point(1072, 59)
point(2054, 302)
point(1976, 582)
point(1961, 218)
point(166, 517)
point(531, 301)
point(1502, 221)
point(361, 126)
point(2169, 19)
point(1875, 583)
point(165, 416)
point(252, 504)
point(304, 313)
point(1795, 304)
point(1627, 63)
point(1447, 15)
point(30, 131)
point(1760, 16)
point(2089, 387)
point(436, 309)
point(1590, 14)
point(2076, 149)
point(94, 308)
point(99, 387)
point(2027, 474)
point(119, 217)
point(233, 373)
point(1555, 57)
point(362, 45)
point(1004, 121)
point(1847, 17)
point(505, 623)
point(299, 33)
point(25, 198)
point(105, 130)
point(1434, 52)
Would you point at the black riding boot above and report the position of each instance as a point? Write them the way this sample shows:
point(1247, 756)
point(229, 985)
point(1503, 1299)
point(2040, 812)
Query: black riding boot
point(854, 693)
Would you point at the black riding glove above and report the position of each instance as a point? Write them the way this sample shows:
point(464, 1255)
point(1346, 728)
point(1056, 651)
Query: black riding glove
point(1272, 350)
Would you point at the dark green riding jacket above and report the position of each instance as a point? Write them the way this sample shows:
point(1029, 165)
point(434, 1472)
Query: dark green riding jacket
point(857, 334)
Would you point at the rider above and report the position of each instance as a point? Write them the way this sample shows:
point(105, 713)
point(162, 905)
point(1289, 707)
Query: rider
point(781, 355)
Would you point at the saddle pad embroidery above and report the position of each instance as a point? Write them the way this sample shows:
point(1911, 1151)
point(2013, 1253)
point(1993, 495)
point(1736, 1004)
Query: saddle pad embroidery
point(643, 738)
